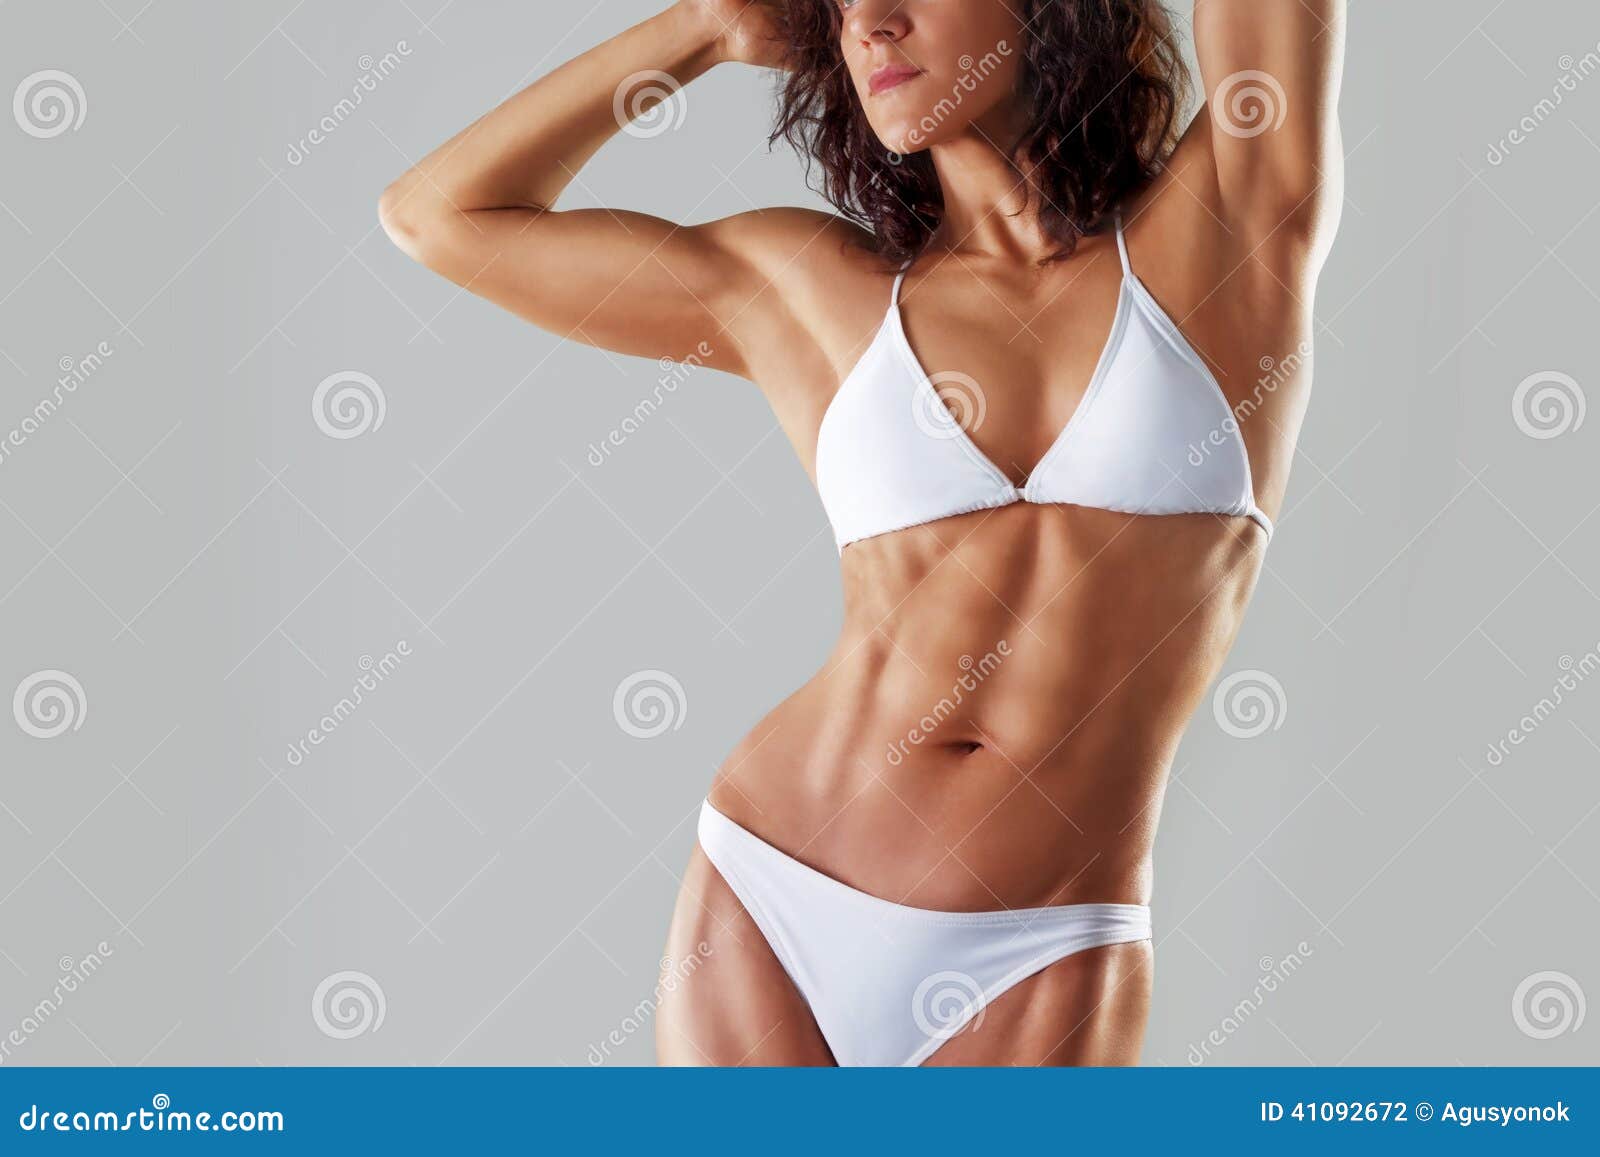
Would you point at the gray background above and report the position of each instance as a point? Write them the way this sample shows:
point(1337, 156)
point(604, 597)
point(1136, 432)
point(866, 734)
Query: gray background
point(482, 839)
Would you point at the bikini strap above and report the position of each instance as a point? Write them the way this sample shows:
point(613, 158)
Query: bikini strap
point(1122, 246)
point(899, 279)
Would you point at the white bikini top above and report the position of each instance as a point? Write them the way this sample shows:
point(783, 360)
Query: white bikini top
point(1153, 434)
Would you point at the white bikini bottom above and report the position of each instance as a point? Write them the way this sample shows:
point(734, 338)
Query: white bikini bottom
point(889, 984)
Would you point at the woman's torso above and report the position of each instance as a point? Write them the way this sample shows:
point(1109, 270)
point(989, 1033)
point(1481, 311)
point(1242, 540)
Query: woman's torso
point(996, 722)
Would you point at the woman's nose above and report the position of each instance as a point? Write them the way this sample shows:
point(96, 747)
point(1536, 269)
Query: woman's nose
point(872, 22)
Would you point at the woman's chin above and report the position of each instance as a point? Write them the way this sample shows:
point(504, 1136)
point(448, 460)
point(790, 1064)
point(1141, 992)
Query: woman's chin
point(903, 139)
point(918, 134)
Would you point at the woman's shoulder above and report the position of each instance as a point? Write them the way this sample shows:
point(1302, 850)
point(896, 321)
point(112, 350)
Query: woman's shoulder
point(820, 264)
point(779, 238)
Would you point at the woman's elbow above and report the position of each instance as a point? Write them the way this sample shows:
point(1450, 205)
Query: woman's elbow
point(413, 223)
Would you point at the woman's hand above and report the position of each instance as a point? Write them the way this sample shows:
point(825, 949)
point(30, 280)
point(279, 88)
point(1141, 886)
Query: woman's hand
point(745, 31)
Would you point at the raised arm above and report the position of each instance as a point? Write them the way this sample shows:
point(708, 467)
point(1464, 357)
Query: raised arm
point(1271, 73)
point(480, 209)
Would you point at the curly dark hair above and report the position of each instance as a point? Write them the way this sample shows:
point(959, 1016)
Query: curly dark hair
point(1102, 82)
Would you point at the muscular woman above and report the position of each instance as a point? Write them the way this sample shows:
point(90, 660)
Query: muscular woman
point(1020, 361)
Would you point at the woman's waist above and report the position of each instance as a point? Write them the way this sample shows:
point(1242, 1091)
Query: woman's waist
point(971, 768)
point(949, 824)
point(1035, 702)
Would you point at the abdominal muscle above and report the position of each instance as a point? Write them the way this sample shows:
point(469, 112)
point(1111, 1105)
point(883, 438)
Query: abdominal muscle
point(995, 725)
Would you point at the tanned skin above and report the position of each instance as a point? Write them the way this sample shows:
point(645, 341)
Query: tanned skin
point(1045, 786)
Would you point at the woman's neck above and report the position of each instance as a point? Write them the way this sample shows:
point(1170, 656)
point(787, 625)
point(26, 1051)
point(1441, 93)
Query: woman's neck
point(987, 204)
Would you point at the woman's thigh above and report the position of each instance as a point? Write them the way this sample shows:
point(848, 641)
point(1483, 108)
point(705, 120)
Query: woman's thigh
point(1089, 1009)
point(725, 999)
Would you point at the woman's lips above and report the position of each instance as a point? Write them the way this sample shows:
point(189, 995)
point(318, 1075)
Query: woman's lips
point(890, 76)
